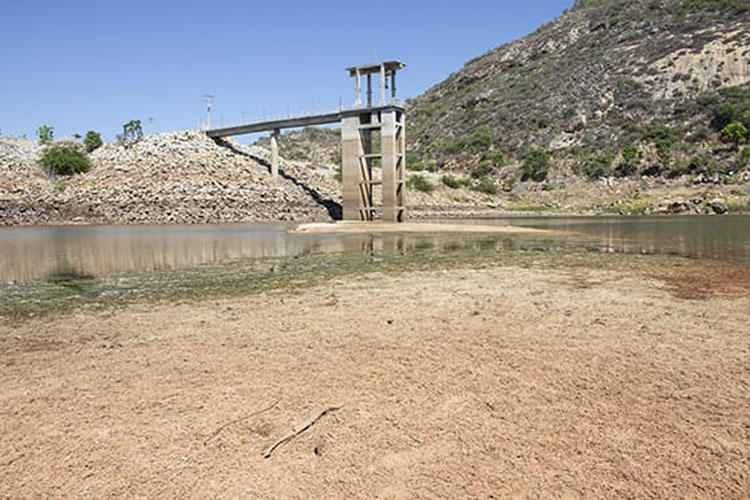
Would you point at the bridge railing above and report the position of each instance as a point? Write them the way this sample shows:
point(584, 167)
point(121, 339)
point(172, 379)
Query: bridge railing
point(203, 126)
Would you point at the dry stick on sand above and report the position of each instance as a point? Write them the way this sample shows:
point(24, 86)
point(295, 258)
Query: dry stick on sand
point(217, 431)
point(300, 428)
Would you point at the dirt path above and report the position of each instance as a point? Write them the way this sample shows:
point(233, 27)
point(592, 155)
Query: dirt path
point(464, 383)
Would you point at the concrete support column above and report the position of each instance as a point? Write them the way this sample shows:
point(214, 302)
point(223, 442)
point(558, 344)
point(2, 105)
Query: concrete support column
point(351, 169)
point(369, 90)
point(358, 90)
point(382, 85)
point(394, 169)
point(393, 88)
point(275, 153)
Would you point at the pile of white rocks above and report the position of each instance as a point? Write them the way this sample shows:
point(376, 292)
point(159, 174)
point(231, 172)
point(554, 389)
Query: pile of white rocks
point(178, 177)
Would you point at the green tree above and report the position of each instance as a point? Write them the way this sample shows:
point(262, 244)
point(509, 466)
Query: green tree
point(132, 131)
point(45, 134)
point(65, 158)
point(92, 141)
point(736, 133)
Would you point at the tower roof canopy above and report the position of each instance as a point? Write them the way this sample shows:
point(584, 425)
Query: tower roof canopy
point(368, 69)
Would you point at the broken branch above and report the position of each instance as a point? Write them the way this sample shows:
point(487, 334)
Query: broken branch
point(300, 428)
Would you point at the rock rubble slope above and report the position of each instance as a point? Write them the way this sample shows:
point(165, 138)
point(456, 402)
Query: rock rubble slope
point(178, 177)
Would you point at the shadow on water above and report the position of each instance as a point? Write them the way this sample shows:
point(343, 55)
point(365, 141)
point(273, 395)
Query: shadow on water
point(335, 211)
point(67, 277)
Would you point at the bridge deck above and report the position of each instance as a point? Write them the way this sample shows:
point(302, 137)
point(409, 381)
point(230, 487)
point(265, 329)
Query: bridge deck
point(300, 121)
point(251, 128)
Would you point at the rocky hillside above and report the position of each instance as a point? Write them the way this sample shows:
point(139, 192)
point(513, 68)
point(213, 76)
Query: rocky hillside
point(321, 146)
point(181, 177)
point(612, 88)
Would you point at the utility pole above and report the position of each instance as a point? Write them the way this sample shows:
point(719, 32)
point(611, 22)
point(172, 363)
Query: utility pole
point(209, 100)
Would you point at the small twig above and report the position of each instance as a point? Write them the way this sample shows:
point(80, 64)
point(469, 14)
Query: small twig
point(217, 431)
point(300, 428)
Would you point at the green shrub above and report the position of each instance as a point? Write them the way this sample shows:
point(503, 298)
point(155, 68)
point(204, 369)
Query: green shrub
point(745, 118)
point(657, 131)
point(454, 182)
point(486, 186)
point(631, 159)
point(481, 138)
point(412, 157)
point(743, 158)
point(596, 167)
point(420, 183)
point(452, 146)
point(735, 133)
point(45, 134)
point(498, 159)
point(92, 141)
point(416, 166)
point(481, 170)
point(697, 164)
point(663, 138)
point(700, 134)
point(65, 158)
point(677, 169)
point(536, 165)
point(724, 114)
point(708, 100)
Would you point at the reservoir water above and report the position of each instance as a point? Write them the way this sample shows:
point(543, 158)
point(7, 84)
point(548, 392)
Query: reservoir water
point(33, 253)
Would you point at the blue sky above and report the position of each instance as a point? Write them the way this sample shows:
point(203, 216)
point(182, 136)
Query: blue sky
point(97, 64)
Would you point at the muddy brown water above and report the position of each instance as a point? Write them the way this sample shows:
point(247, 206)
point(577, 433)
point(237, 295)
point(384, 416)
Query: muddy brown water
point(34, 253)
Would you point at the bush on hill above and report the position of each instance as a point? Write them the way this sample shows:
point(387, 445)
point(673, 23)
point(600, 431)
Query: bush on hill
point(65, 158)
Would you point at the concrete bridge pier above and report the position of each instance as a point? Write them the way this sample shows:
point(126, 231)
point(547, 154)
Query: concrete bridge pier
point(275, 153)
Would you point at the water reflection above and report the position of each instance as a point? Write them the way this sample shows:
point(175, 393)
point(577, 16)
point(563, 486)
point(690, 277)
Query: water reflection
point(721, 238)
point(28, 254)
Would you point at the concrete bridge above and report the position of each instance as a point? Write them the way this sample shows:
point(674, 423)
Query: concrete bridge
point(359, 153)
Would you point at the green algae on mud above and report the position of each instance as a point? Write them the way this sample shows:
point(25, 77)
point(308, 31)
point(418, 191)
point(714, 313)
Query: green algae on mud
point(68, 291)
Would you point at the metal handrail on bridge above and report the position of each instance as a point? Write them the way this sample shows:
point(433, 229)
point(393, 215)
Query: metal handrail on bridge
point(285, 123)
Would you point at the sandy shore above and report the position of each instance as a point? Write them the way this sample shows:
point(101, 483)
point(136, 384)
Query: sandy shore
point(345, 227)
point(455, 383)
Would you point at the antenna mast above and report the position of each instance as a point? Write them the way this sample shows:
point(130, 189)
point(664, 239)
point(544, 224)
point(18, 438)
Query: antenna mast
point(209, 100)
